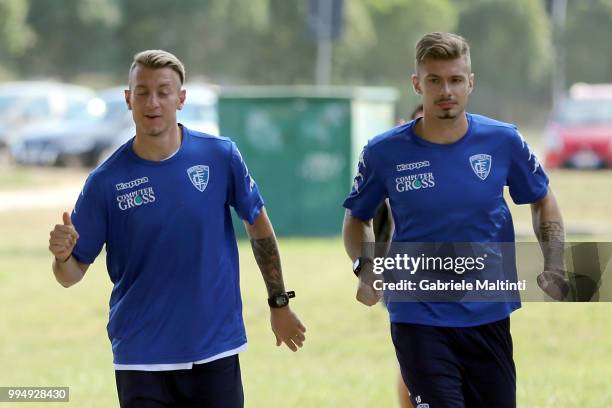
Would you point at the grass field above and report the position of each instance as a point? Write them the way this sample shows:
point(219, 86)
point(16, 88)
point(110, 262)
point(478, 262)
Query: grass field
point(51, 336)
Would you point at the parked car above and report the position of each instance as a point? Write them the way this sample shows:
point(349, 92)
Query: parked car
point(198, 113)
point(80, 139)
point(32, 102)
point(579, 134)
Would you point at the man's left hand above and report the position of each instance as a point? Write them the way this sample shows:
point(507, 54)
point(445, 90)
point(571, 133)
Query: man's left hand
point(287, 328)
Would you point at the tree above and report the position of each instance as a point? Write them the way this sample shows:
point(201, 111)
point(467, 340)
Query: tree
point(71, 37)
point(511, 48)
point(380, 38)
point(587, 39)
point(16, 36)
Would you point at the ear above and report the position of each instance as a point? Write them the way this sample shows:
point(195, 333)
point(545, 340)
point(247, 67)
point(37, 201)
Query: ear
point(126, 94)
point(471, 83)
point(416, 85)
point(182, 98)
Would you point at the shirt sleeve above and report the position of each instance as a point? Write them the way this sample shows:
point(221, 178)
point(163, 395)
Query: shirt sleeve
point(90, 220)
point(526, 179)
point(368, 191)
point(243, 192)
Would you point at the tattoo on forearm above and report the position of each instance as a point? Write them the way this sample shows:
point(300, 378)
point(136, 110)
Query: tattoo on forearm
point(551, 231)
point(268, 259)
point(552, 237)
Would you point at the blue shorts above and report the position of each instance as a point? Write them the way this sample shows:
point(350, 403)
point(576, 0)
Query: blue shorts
point(457, 367)
point(216, 384)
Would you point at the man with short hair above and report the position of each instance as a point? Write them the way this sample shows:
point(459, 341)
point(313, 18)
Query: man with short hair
point(444, 176)
point(161, 205)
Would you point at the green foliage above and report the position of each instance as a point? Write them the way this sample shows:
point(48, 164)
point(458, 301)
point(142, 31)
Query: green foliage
point(266, 42)
point(379, 39)
point(587, 36)
point(72, 37)
point(383, 52)
point(278, 53)
point(15, 35)
point(511, 48)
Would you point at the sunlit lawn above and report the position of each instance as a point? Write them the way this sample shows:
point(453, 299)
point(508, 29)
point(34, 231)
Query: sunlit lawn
point(55, 336)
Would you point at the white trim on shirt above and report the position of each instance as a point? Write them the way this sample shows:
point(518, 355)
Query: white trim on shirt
point(179, 366)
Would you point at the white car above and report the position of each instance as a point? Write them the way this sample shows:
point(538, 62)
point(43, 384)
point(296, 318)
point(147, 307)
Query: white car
point(27, 103)
point(79, 139)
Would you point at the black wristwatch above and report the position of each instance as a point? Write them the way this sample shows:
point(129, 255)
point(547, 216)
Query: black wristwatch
point(280, 300)
point(360, 263)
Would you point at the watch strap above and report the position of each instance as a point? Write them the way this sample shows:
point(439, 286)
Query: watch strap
point(285, 296)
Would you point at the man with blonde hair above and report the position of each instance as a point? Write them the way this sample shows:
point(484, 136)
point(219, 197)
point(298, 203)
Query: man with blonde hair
point(161, 205)
point(444, 176)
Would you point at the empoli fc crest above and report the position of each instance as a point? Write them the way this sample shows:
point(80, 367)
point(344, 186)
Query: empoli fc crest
point(481, 164)
point(198, 176)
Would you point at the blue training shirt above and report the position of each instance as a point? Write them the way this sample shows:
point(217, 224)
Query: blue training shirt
point(448, 193)
point(171, 251)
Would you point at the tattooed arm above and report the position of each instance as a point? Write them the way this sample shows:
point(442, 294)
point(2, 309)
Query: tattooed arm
point(268, 259)
point(285, 324)
point(548, 227)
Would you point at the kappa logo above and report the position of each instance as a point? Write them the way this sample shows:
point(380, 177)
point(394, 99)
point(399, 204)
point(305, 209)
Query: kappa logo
point(247, 175)
point(412, 166)
point(421, 404)
point(131, 184)
point(481, 164)
point(198, 175)
point(359, 177)
point(532, 155)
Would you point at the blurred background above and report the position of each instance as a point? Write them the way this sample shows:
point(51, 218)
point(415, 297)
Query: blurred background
point(300, 85)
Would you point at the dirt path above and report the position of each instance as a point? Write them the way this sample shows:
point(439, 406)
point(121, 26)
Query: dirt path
point(62, 197)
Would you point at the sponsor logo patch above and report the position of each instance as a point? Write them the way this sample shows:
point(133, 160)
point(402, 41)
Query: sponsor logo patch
point(414, 182)
point(136, 198)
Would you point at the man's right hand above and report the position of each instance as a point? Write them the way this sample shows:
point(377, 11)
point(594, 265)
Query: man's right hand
point(63, 239)
point(366, 293)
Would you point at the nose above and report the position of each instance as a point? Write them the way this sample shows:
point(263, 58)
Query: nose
point(445, 89)
point(152, 100)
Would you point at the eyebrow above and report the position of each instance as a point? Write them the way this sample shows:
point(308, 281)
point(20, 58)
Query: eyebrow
point(162, 85)
point(438, 76)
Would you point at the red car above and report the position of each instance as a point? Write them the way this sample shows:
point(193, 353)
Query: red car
point(579, 134)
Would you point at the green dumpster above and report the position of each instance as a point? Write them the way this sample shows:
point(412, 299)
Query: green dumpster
point(302, 145)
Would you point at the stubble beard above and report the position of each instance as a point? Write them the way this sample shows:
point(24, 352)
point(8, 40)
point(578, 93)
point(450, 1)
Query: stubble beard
point(153, 131)
point(447, 115)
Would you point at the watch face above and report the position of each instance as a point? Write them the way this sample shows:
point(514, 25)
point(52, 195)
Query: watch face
point(281, 300)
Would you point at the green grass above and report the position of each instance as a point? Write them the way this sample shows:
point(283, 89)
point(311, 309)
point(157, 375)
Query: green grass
point(56, 336)
point(51, 336)
point(585, 199)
